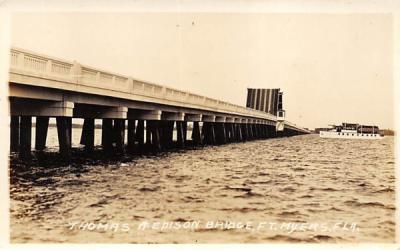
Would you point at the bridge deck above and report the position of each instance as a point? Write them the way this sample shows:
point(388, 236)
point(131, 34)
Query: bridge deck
point(61, 80)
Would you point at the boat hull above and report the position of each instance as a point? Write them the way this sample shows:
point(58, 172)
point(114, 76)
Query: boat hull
point(347, 135)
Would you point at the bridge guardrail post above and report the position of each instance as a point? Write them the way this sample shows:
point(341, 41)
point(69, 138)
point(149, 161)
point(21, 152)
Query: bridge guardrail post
point(164, 92)
point(130, 85)
point(76, 72)
point(48, 66)
point(97, 77)
point(20, 60)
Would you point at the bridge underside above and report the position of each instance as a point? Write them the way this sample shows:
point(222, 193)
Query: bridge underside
point(149, 125)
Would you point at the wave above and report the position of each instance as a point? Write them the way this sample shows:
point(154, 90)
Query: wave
point(148, 189)
point(286, 238)
point(239, 188)
point(366, 204)
point(385, 190)
point(242, 209)
point(249, 194)
point(290, 213)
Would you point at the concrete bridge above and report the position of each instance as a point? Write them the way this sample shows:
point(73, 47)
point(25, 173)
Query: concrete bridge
point(41, 86)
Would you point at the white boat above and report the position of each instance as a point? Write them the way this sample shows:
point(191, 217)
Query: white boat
point(352, 131)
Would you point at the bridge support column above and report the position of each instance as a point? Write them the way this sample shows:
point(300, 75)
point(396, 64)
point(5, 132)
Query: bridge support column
point(148, 133)
point(64, 128)
point(107, 134)
point(184, 127)
point(243, 129)
point(87, 137)
point(233, 132)
point(196, 136)
point(249, 132)
point(272, 131)
point(140, 134)
point(257, 129)
point(42, 125)
point(253, 132)
point(180, 134)
point(166, 133)
point(264, 133)
point(14, 133)
point(209, 133)
point(69, 124)
point(25, 137)
point(119, 134)
point(238, 132)
point(154, 127)
point(226, 132)
point(131, 135)
point(220, 133)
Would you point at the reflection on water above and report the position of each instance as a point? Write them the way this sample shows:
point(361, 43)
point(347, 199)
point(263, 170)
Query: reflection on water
point(302, 179)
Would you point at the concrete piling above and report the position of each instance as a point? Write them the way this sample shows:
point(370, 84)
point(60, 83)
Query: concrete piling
point(220, 135)
point(87, 137)
point(25, 137)
point(14, 133)
point(42, 125)
point(249, 134)
point(184, 127)
point(180, 134)
point(266, 131)
point(232, 131)
point(208, 132)
point(64, 127)
point(140, 134)
point(227, 132)
point(119, 134)
point(166, 133)
point(257, 131)
point(155, 134)
point(131, 136)
point(243, 129)
point(252, 132)
point(262, 131)
point(107, 134)
point(272, 132)
point(69, 125)
point(148, 133)
point(196, 136)
point(238, 132)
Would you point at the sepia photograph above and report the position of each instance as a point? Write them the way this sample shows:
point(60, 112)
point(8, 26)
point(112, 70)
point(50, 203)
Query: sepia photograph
point(192, 125)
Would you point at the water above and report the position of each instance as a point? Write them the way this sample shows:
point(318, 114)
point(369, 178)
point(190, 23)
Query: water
point(303, 180)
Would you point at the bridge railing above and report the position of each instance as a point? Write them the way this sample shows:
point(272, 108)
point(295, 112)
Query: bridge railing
point(43, 66)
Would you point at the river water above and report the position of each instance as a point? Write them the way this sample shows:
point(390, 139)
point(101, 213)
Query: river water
point(297, 189)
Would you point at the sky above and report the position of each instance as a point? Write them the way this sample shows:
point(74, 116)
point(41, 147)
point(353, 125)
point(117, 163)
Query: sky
point(332, 68)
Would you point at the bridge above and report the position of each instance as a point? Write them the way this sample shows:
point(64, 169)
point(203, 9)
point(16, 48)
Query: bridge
point(42, 86)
